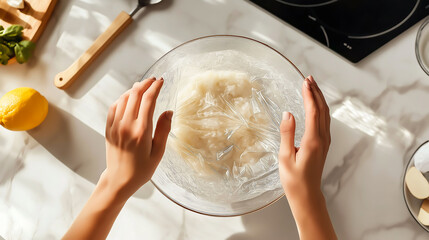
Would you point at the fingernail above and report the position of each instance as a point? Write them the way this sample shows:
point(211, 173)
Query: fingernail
point(311, 78)
point(161, 79)
point(286, 115)
point(169, 115)
point(153, 78)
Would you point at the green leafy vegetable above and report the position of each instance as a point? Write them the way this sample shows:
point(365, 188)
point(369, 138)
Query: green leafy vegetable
point(12, 46)
point(4, 54)
point(12, 33)
point(6, 50)
point(23, 51)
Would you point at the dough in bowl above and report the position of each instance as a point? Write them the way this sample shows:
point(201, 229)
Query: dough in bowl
point(218, 127)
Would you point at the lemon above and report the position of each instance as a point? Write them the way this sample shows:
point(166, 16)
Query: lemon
point(22, 109)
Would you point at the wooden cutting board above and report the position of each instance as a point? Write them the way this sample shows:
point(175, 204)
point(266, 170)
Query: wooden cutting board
point(33, 17)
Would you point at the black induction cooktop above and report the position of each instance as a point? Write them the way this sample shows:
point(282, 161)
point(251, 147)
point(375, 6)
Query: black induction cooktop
point(352, 28)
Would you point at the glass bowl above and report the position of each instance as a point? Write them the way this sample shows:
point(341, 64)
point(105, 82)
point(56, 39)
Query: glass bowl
point(413, 204)
point(282, 81)
point(422, 46)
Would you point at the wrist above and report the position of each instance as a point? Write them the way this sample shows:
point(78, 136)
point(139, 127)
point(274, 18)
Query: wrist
point(305, 204)
point(121, 184)
point(311, 216)
point(110, 190)
point(302, 192)
point(304, 199)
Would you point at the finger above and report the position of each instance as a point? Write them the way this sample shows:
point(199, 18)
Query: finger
point(320, 102)
point(287, 134)
point(311, 110)
point(326, 127)
point(121, 98)
point(136, 93)
point(111, 115)
point(147, 105)
point(327, 119)
point(161, 134)
point(323, 100)
point(121, 105)
point(326, 111)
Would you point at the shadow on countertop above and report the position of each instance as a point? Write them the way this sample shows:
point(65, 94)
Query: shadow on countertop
point(273, 222)
point(77, 146)
point(90, 77)
point(12, 163)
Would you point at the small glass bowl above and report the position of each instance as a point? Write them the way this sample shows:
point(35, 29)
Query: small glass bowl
point(413, 204)
point(422, 46)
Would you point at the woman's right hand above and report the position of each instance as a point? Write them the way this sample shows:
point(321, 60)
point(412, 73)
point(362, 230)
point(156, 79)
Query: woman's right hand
point(301, 168)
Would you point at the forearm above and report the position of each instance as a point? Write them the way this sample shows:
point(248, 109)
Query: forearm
point(98, 215)
point(312, 217)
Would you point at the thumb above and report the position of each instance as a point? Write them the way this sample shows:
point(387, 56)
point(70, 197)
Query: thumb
point(287, 134)
point(161, 134)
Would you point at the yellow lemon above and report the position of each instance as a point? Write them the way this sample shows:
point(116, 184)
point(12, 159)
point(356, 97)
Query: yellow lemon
point(22, 109)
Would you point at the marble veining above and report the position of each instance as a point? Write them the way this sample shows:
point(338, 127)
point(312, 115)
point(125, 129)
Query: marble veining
point(378, 107)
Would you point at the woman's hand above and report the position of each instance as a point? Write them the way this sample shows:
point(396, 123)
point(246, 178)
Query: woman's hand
point(132, 157)
point(301, 168)
point(132, 154)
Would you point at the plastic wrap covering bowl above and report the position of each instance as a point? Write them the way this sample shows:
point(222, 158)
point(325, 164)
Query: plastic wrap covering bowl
point(228, 188)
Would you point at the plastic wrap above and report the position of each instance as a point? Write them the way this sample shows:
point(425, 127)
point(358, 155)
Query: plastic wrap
point(225, 146)
point(222, 125)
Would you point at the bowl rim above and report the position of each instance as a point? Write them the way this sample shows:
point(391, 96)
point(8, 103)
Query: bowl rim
point(417, 46)
point(216, 36)
point(404, 187)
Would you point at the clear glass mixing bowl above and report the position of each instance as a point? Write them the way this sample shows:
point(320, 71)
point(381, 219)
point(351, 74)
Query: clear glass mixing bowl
point(178, 181)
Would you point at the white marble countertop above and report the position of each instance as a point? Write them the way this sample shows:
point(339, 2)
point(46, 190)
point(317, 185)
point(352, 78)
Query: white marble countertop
point(379, 117)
